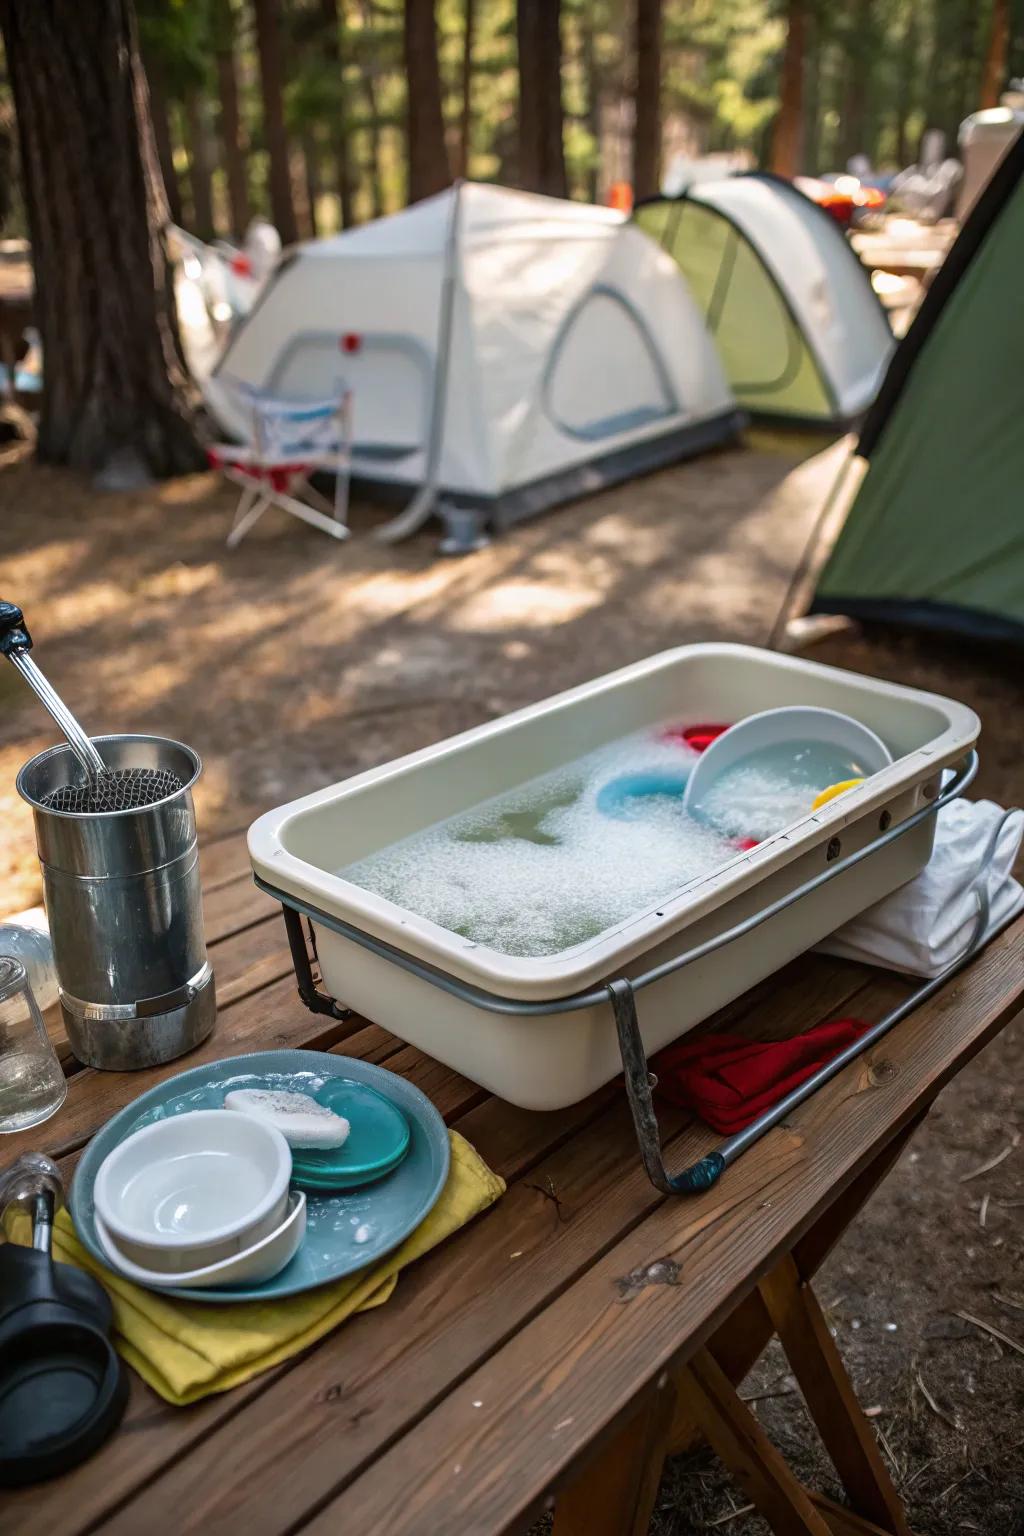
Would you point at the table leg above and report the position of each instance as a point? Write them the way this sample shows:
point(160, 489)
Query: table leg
point(741, 1443)
point(739, 1343)
point(614, 1494)
point(818, 1367)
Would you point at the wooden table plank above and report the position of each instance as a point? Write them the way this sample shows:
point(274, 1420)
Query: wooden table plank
point(567, 1378)
point(510, 1139)
point(548, 1251)
point(155, 1433)
point(235, 905)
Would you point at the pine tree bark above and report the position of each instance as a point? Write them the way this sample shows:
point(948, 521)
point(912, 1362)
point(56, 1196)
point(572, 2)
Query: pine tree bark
point(311, 177)
point(373, 111)
point(332, 18)
point(269, 46)
point(429, 171)
point(905, 88)
point(994, 70)
point(855, 136)
point(811, 156)
point(160, 116)
point(466, 118)
point(115, 377)
point(231, 135)
point(541, 115)
point(647, 100)
point(588, 50)
point(787, 132)
point(200, 167)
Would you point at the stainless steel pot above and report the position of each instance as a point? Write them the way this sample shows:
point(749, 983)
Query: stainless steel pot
point(124, 907)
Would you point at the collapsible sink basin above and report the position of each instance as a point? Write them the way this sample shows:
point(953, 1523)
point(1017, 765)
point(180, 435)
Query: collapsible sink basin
point(483, 1012)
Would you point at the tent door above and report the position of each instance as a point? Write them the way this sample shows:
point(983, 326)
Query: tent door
point(391, 379)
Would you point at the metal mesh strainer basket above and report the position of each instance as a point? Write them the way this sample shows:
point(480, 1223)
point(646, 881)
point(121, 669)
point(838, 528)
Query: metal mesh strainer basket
point(117, 789)
point(104, 787)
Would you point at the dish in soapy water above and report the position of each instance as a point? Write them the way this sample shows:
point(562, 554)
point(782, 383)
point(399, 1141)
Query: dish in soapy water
point(568, 855)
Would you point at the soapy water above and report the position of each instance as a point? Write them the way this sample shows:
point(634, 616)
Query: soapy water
point(568, 855)
point(770, 788)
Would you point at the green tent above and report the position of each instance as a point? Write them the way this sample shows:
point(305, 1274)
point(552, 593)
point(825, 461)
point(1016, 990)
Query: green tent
point(801, 334)
point(935, 534)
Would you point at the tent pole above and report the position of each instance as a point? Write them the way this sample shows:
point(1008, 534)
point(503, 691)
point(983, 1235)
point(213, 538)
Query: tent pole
point(412, 519)
point(795, 592)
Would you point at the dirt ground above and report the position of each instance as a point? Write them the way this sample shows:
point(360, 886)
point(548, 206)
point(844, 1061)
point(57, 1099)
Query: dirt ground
point(295, 661)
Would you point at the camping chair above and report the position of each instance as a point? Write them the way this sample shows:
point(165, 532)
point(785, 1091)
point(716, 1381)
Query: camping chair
point(291, 441)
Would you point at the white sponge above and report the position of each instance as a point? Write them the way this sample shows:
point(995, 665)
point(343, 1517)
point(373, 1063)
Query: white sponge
point(301, 1120)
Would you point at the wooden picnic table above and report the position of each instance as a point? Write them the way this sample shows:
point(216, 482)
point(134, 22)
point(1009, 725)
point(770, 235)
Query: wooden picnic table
point(557, 1348)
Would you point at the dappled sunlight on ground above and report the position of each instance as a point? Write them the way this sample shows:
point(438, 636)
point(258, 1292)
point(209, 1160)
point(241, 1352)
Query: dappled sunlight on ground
point(294, 661)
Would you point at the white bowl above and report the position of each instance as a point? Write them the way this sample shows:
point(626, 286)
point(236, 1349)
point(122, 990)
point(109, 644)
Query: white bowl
point(262, 1261)
point(776, 727)
point(193, 1190)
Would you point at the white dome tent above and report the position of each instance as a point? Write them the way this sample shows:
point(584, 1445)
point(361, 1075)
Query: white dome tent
point(505, 352)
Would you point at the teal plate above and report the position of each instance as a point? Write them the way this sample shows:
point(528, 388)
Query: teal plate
point(382, 1214)
point(311, 1179)
point(377, 1139)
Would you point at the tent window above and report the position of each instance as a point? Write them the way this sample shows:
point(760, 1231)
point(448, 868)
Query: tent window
point(390, 378)
point(604, 375)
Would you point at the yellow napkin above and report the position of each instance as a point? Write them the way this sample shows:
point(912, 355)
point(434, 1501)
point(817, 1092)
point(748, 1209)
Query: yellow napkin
point(188, 1349)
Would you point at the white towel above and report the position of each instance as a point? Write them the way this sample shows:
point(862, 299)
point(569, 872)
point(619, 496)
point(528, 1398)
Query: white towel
point(927, 924)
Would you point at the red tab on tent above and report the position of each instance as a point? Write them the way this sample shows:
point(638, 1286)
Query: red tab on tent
point(351, 342)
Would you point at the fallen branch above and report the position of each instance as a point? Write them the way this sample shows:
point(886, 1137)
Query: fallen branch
point(995, 1333)
point(993, 1162)
point(940, 1413)
point(733, 1514)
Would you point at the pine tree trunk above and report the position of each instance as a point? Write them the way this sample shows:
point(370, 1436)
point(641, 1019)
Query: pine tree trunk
point(370, 95)
point(429, 171)
point(993, 75)
point(647, 100)
point(311, 175)
point(269, 45)
point(200, 169)
point(160, 115)
point(466, 121)
point(787, 133)
point(230, 119)
point(332, 20)
point(115, 379)
point(811, 159)
point(541, 118)
point(593, 89)
point(854, 136)
point(905, 92)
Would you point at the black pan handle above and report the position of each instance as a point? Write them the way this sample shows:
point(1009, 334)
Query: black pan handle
point(14, 635)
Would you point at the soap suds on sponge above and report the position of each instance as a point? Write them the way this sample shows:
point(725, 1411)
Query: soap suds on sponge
point(301, 1120)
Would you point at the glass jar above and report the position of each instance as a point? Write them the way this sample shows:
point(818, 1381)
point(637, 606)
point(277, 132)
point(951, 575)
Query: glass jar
point(32, 1084)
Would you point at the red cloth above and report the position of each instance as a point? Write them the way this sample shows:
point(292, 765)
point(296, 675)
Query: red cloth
point(728, 1081)
point(697, 737)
